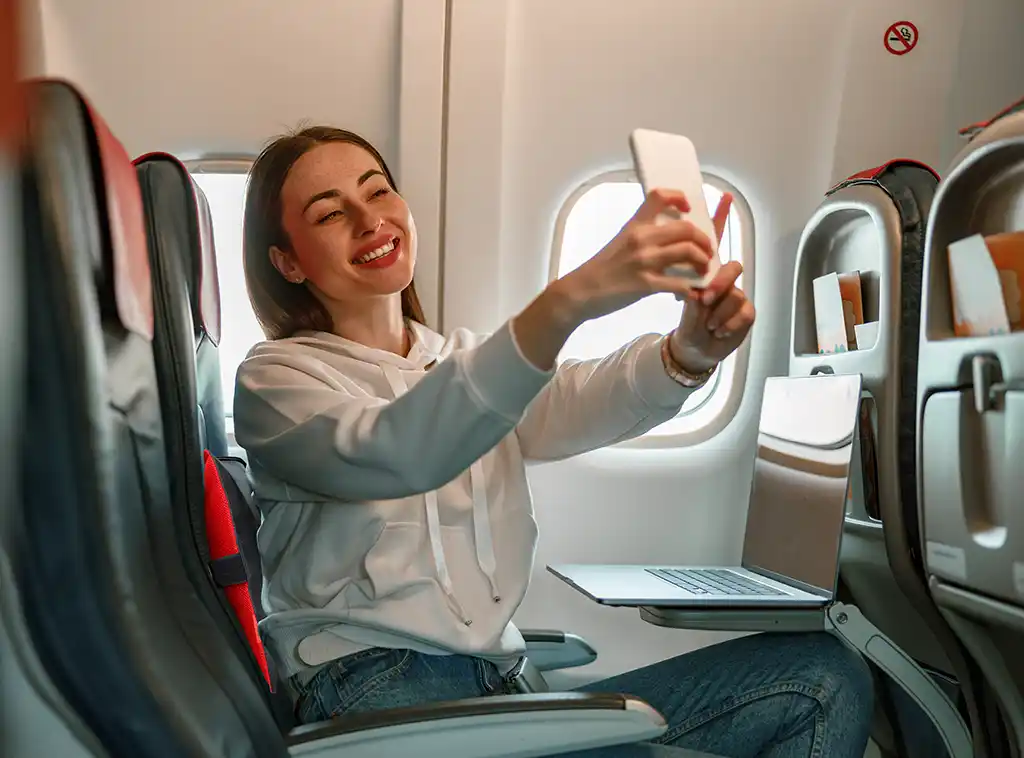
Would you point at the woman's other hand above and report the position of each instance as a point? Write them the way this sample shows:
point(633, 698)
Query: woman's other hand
point(716, 319)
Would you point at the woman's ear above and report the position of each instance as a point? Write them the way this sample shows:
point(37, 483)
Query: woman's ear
point(286, 265)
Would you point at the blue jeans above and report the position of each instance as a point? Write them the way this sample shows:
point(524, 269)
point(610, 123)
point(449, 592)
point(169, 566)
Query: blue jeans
point(766, 695)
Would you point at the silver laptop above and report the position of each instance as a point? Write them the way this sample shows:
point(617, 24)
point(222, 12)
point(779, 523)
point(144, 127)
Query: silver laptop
point(794, 521)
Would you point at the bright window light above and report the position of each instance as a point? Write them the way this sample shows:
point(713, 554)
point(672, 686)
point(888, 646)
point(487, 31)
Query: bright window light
point(239, 328)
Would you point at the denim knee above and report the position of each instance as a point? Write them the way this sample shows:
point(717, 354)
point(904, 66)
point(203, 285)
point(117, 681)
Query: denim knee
point(846, 679)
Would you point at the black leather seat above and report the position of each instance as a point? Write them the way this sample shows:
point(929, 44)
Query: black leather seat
point(34, 717)
point(101, 628)
point(117, 616)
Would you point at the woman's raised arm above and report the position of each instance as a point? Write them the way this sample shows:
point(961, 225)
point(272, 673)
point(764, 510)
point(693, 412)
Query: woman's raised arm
point(309, 432)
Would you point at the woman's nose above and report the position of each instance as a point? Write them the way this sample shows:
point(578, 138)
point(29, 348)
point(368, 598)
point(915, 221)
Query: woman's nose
point(368, 222)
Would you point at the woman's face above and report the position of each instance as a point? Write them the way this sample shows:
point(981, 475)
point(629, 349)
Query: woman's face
point(352, 236)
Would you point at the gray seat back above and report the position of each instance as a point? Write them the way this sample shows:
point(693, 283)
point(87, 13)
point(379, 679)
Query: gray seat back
point(970, 400)
point(874, 222)
point(187, 329)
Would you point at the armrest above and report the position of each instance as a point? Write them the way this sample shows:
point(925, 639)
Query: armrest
point(512, 726)
point(549, 649)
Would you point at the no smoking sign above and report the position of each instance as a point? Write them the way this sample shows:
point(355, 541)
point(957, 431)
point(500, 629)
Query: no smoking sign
point(901, 37)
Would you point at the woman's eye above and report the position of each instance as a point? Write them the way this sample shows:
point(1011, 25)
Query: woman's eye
point(381, 192)
point(328, 217)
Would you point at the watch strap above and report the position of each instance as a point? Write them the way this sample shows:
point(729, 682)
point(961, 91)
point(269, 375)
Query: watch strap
point(678, 373)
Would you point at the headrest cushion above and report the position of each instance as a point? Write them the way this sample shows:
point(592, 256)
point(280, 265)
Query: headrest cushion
point(973, 130)
point(124, 260)
point(870, 175)
point(196, 226)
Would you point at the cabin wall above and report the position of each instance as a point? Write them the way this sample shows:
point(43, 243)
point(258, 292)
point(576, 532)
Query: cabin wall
point(496, 110)
point(989, 73)
point(31, 36)
point(204, 79)
point(194, 77)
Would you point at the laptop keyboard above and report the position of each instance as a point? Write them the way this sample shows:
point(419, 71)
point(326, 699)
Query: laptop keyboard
point(713, 582)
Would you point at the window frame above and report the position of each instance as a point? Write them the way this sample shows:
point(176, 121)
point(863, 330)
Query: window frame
point(717, 410)
point(220, 164)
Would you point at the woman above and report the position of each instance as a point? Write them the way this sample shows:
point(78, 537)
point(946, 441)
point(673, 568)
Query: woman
point(398, 532)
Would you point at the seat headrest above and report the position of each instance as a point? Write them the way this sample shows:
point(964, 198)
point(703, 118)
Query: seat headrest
point(870, 175)
point(167, 178)
point(122, 269)
point(1005, 128)
point(973, 130)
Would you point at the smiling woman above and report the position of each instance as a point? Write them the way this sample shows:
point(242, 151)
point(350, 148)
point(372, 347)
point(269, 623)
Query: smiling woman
point(315, 231)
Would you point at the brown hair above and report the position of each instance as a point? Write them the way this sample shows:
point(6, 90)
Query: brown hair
point(282, 307)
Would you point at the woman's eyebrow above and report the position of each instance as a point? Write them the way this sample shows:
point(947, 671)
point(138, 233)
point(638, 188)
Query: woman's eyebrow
point(321, 196)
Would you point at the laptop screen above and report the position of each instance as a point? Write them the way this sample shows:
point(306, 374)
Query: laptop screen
point(801, 476)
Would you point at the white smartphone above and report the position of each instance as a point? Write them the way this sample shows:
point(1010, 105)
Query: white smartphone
point(669, 161)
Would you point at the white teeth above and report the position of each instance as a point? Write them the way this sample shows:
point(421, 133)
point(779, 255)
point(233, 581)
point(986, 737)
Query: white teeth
point(378, 253)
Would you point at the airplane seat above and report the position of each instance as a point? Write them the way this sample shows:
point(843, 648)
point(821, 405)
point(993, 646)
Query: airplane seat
point(216, 526)
point(93, 563)
point(970, 400)
point(187, 331)
point(871, 228)
point(34, 717)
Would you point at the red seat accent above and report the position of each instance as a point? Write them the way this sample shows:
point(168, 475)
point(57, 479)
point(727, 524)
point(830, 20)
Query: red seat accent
point(220, 532)
point(132, 287)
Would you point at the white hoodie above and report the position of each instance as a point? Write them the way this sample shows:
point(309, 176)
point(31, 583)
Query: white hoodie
point(396, 509)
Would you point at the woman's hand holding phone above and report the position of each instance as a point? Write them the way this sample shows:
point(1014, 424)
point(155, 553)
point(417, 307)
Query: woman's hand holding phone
point(632, 266)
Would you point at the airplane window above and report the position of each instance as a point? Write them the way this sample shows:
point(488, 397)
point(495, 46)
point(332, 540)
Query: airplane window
point(591, 218)
point(239, 329)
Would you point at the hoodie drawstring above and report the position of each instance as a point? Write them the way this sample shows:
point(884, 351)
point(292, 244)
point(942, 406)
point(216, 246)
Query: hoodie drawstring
point(482, 528)
point(481, 520)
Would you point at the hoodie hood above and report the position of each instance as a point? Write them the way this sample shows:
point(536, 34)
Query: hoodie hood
point(427, 347)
